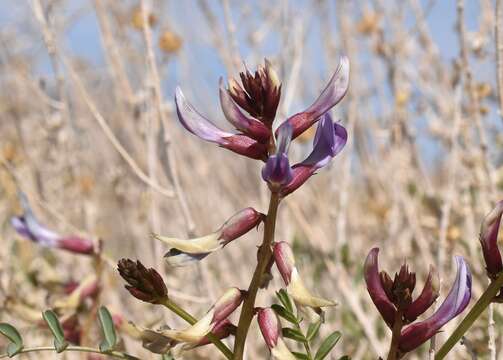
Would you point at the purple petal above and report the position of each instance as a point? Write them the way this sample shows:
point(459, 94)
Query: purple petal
point(375, 288)
point(28, 226)
point(329, 140)
point(198, 125)
point(277, 171)
point(19, 224)
point(330, 96)
point(250, 126)
point(426, 298)
point(455, 302)
point(489, 240)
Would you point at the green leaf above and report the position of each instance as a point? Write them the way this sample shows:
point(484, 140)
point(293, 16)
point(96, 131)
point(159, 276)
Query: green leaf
point(293, 334)
point(285, 300)
point(107, 325)
point(313, 330)
point(300, 356)
point(345, 357)
point(60, 344)
point(16, 341)
point(327, 345)
point(284, 313)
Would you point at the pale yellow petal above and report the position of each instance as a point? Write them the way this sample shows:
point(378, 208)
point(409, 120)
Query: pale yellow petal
point(193, 334)
point(199, 245)
point(72, 301)
point(281, 352)
point(301, 295)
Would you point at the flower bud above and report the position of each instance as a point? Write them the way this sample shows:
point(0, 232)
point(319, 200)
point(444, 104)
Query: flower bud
point(270, 327)
point(144, 284)
point(227, 303)
point(489, 240)
point(259, 94)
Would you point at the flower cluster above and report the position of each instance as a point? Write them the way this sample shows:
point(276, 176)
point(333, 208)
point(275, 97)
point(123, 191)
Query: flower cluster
point(259, 96)
point(393, 299)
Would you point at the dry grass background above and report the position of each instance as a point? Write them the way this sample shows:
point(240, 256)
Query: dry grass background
point(99, 152)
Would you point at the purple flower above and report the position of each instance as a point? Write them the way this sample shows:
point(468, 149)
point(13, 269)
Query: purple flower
point(455, 302)
point(489, 240)
point(328, 141)
point(258, 95)
point(391, 296)
point(185, 251)
point(335, 90)
point(28, 226)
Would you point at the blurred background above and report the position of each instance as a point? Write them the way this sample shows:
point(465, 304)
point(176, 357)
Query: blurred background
point(88, 131)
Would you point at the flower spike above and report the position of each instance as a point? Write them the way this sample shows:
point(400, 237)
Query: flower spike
point(329, 140)
point(455, 302)
point(489, 240)
point(285, 261)
point(270, 327)
point(198, 125)
point(183, 252)
point(28, 226)
point(330, 96)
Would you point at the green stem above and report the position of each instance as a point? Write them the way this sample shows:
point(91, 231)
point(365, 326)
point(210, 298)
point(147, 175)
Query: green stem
point(395, 337)
point(264, 257)
point(306, 343)
point(477, 309)
point(192, 320)
point(115, 354)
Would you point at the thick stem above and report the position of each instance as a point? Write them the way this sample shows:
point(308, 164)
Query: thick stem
point(477, 309)
point(264, 256)
point(192, 320)
point(395, 337)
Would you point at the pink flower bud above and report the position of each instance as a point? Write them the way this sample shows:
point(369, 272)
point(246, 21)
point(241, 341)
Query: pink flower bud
point(269, 326)
point(227, 303)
